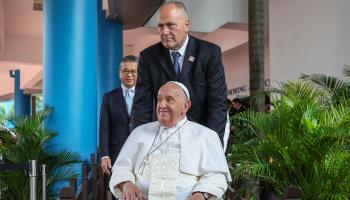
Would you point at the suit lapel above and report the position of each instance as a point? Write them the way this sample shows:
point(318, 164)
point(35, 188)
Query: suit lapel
point(166, 63)
point(121, 100)
point(189, 59)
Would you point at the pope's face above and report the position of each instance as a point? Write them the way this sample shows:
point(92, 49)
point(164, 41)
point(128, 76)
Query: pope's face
point(172, 104)
point(172, 26)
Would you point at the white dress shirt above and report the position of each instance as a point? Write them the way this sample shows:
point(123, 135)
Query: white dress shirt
point(182, 52)
point(132, 90)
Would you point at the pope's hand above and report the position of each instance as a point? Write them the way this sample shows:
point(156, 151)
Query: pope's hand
point(106, 165)
point(130, 191)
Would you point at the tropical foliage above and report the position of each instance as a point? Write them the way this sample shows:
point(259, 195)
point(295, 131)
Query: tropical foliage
point(39, 102)
point(29, 140)
point(337, 89)
point(303, 142)
point(4, 113)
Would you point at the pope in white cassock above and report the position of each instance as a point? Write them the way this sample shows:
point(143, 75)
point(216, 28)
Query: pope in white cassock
point(172, 158)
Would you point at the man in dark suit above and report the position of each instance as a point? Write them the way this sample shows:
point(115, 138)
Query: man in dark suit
point(180, 57)
point(237, 106)
point(115, 113)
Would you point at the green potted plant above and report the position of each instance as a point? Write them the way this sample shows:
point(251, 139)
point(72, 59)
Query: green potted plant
point(303, 142)
point(29, 140)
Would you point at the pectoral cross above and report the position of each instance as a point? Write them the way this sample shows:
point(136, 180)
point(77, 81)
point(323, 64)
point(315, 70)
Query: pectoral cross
point(144, 164)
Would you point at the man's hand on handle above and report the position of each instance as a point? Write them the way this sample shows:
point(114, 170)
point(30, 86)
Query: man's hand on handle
point(106, 165)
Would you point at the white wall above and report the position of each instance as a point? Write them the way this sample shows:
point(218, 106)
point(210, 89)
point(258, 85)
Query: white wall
point(236, 63)
point(19, 48)
point(208, 15)
point(2, 29)
point(308, 36)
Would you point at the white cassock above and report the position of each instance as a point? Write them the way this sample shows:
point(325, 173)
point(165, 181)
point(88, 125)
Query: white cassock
point(171, 163)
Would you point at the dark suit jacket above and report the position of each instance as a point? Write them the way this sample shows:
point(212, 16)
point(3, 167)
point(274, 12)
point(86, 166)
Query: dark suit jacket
point(114, 124)
point(234, 111)
point(202, 73)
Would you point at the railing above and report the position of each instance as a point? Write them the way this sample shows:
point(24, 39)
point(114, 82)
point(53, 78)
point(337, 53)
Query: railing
point(94, 184)
point(32, 167)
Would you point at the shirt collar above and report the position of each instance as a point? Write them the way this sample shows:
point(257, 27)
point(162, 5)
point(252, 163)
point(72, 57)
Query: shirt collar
point(124, 88)
point(182, 48)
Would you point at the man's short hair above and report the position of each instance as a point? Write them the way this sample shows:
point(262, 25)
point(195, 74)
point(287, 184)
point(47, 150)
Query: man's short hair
point(237, 100)
point(228, 101)
point(179, 5)
point(129, 58)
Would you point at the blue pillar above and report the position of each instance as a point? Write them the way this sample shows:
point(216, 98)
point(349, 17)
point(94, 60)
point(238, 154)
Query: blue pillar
point(22, 101)
point(70, 60)
point(110, 52)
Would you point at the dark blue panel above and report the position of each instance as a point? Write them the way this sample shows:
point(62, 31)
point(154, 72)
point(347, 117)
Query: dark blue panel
point(110, 52)
point(22, 101)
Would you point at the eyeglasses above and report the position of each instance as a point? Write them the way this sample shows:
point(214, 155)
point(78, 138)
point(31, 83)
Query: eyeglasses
point(126, 72)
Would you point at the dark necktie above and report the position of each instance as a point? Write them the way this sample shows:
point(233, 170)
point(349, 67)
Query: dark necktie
point(176, 56)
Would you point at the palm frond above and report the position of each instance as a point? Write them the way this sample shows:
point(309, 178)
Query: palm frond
point(346, 71)
point(335, 87)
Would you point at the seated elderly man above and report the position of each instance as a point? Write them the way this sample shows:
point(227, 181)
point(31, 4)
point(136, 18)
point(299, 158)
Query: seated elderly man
point(172, 158)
